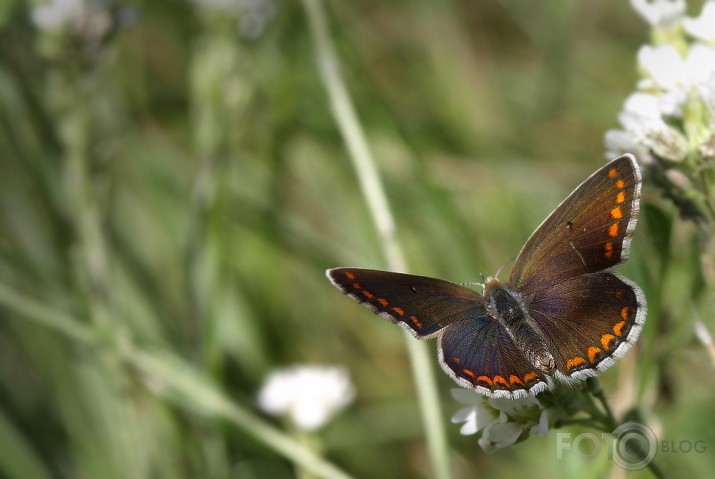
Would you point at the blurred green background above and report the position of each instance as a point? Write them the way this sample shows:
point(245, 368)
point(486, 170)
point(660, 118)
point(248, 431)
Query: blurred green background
point(173, 186)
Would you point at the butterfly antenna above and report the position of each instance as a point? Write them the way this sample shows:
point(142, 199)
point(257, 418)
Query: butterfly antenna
point(503, 265)
point(476, 283)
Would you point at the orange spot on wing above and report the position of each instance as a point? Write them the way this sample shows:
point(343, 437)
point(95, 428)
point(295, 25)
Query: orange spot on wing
point(383, 301)
point(613, 230)
point(367, 294)
point(356, 285)
point(624, 312)
point(619, 294)
point(468, 373)
point(530, 377)
point(608, 248)
point(612, 173)
point(500, 380)
point(606, 341)
point(592, 352)
point(616, 213)
point(618, 328)
point(416, 322)
point(620, 184)
point(573, 362)
point(399, 311)
point(349, 275)
point(484, 379)
point(515, 380)
point(456, 361)
point(620, 197)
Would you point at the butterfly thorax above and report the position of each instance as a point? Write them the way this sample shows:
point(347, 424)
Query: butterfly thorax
point(507, 307)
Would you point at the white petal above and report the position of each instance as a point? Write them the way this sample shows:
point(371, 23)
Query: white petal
point(664, 65)
point(641, 113)
point(464, 414)
point(668, 143)
point(702, 27)
point(514, 407)
point(498, 436)
point(486, 415)
point(310, 395)
point(470, 425)
point(671, 102)
point(480, 412)
point(700, 63)
point(541, 429)
point(466, 396)
point(660, 12)
point(310, 416)
point(619, 142)
point(277, 393)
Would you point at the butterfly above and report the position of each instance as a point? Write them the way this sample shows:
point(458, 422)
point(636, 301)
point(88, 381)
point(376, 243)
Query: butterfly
point(563, 315)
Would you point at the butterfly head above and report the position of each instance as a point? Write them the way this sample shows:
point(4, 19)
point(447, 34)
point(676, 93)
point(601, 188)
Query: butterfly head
point(491, 284)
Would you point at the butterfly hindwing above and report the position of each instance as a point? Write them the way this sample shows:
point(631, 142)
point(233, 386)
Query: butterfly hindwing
point(481, 355)
point(420, 304)
point(589, 321)
point(589, 231)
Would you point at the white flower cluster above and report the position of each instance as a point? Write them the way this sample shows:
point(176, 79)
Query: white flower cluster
point(672, 113)
point(501, 421)
point(308, 395)
point(85, 16)
point(253, 15)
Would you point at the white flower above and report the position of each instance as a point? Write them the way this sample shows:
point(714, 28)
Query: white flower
point(664, 66)
point(675, 75)
point(669, 70)
point(700, 64)
point(253, 15)
point(57, 14)
point(90, 20)
point(308, 395)
point(640, 111)
point(660, 13)
point(619, 142)
point(645, 131)
point(702, 27)
point(502, 421)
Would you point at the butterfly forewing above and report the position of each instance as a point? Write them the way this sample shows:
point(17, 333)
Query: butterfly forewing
point(420, 304)
point(588, 232)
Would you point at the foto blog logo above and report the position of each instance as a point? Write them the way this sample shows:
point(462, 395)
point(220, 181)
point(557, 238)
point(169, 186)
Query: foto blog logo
point(631, 445)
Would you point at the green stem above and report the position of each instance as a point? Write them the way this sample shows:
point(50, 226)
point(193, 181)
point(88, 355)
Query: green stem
point(169, 377)
point(75, 118)
point(609, 421)
point(187, 387)
point(597, 392)
point(45, 316)
point(373, 192)
point(657, 471)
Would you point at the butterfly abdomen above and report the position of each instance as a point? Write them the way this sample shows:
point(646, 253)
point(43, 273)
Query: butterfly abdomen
point(505, 306)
